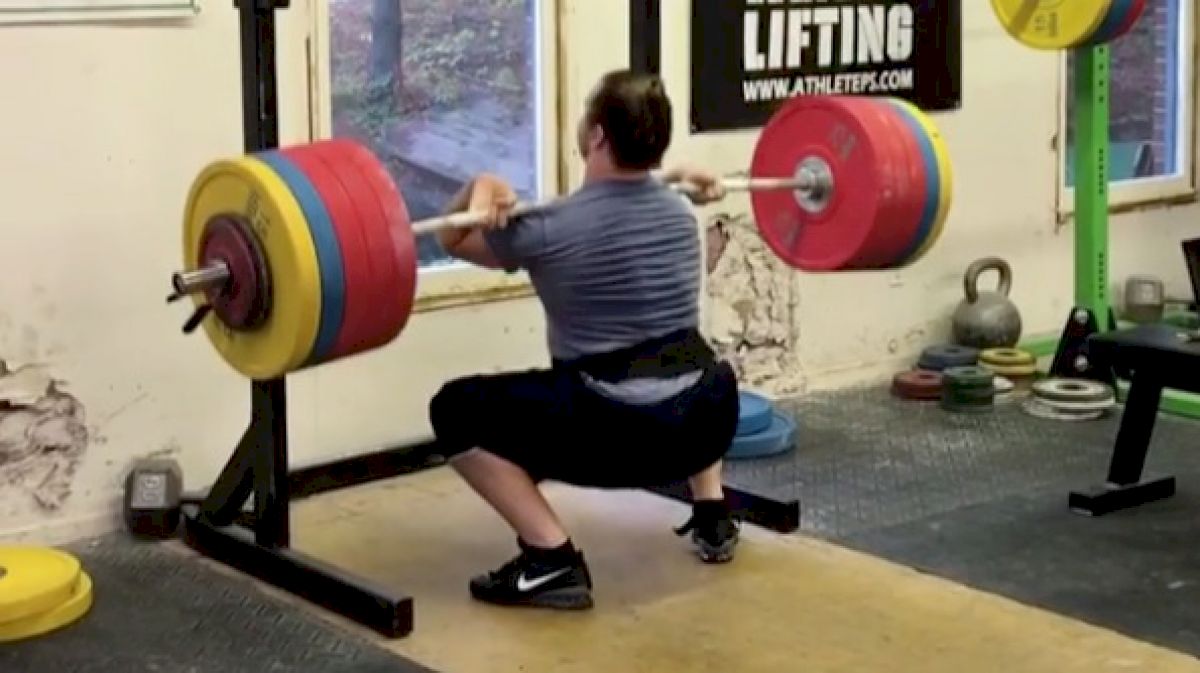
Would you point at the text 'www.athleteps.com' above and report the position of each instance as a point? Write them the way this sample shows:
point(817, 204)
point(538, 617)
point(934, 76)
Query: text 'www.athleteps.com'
point(855, 45)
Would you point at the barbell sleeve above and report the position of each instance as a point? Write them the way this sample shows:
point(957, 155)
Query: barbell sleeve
point(206, 278)
point(804, 181)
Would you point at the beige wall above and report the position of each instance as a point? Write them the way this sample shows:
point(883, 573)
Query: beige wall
point(851, 327)
point(105, 127)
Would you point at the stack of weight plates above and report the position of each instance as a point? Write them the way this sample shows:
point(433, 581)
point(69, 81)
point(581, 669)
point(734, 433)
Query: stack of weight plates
point(939, 357)
point(1064, 399)
point(762, 430)
point(1017, 366)
point(1006, 390)
point(968, 389)
point(918, 384)
point(41, 590)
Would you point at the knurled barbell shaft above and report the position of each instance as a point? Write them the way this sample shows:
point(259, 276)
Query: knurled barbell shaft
point(804, 181)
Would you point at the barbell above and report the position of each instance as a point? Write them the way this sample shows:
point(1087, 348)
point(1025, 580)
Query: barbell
point(304, 255)
point(1055, 24)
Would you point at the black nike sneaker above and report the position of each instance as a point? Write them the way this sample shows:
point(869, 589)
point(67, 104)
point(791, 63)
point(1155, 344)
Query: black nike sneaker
point(538, 578)
point(714, 533)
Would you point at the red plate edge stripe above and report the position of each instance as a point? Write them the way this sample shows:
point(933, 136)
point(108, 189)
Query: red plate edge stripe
point(386, 277)
point(392, 283)
point(361, 292)
point(896, 235)
point(399, 226)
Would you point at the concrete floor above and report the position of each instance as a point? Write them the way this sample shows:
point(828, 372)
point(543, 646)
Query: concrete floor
point(787, 604)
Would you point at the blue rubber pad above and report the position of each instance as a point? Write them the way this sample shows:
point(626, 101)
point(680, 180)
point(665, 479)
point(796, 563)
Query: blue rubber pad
point(754, 413)
point(329, 252)
point(778, 438)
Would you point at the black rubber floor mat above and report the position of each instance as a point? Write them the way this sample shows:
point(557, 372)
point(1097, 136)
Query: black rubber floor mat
point(158, 610)
point(865, 459)
point(981, 499)
point(1136, 572)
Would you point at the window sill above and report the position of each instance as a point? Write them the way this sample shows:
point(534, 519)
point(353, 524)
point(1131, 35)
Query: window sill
point(458, 285)
point(1136, 197)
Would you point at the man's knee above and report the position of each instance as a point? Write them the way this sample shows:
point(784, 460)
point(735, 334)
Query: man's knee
point(451, 409)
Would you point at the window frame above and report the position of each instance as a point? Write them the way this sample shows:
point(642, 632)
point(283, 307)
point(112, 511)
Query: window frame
point(1142, 193)
point(459, 284)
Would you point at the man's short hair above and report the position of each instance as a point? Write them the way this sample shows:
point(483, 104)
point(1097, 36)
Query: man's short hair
point(634, 112)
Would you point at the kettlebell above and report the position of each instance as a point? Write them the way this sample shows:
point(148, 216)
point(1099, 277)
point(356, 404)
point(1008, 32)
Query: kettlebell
point(987, 319)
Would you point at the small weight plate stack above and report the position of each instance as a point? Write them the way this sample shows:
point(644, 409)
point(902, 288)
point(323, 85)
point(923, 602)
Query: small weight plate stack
point(1018, 366)
point(938, 357)
point(1064, 399)
point(917, 384)
point(968, 389)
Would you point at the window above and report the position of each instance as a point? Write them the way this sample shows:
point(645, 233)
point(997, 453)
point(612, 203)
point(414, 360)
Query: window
point(442, 90)
point(1150, 112)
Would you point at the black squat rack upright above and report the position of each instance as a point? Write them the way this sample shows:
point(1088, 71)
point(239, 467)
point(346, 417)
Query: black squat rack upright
point(258, 542)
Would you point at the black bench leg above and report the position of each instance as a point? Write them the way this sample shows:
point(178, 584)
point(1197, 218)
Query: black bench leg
point(1125, 487)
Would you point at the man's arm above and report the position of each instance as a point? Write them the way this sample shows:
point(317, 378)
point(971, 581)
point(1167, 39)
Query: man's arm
point(705, 187)
point(468, 245)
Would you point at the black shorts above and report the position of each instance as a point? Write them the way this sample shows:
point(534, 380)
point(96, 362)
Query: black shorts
point(554, 426)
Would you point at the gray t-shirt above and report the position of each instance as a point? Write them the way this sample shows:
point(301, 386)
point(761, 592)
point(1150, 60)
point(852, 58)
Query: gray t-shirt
point(615, 263)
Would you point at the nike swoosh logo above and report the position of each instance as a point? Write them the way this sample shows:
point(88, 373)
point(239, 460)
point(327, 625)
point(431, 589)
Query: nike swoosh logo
point(525, 585)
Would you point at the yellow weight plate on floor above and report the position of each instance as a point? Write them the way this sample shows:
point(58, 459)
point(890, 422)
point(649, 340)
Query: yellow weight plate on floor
point(1051, 24)
point(64, 614)
point(1010, 370)
point(33, 580)
point(1006, 357)
point(248, 188)
point(945, 171)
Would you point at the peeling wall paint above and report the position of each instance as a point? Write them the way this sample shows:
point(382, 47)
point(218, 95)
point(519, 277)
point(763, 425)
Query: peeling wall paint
point(43, 436)
point(753, 301)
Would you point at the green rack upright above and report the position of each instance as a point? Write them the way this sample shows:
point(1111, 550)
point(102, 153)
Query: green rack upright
point(1092, 311)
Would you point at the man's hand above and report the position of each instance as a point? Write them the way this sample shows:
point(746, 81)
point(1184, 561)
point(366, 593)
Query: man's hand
point(492, 195)
point(488, 194)
point(700, 186)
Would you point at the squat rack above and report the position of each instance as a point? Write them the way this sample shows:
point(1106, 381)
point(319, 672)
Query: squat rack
point(1092, 312)
point(258, 542)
